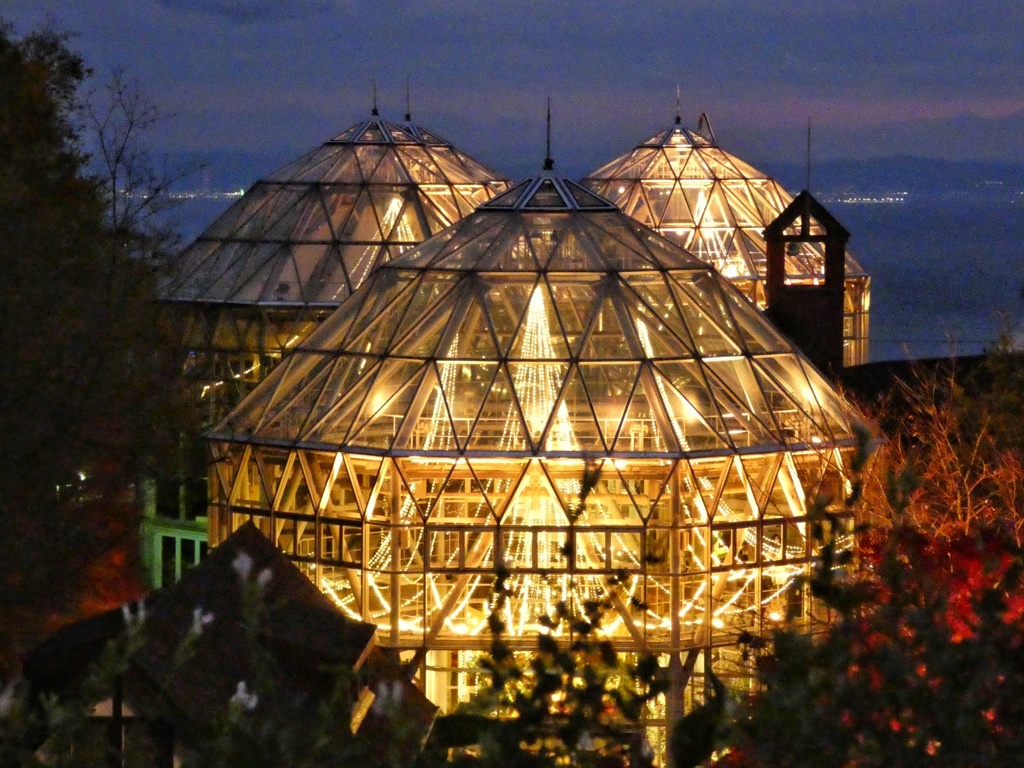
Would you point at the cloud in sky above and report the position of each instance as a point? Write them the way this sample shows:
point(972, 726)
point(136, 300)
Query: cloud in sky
point(924, 76)
point(251, 11)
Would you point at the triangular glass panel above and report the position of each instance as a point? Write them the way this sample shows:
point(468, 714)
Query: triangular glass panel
point(336, 411)
point(613, 503)
point(312, 223)
point(328, 283)
point(390, 171)
point(465, 386)
point(248, 489)
point(316, 401)
point(372, 133)
point(647, 482)
point(344, 170)
point(496, 481)
point(608, 386)
point(537, 386)
point(803, 421)
point(271, 463)
point(361, 226)
point(240, 212)
point(696, 168)
point(744, 427)
point(420, 166)
point(758, 335)
point(387, 405)
point(435, 218)
point(510, 198)
point(721, 165)
point(607, 339)
point(443, 199)
point(584, 198)
point(368, 158)
point(658, 195)
point(421, 335)
point(741, 203)
point(506, 303)
point(576, 409)
point(677, 213)
point(347, 135)
point(500, 426)
point(690, 426)
point(641, 430)
point(340, 202)
point(388, 287)
point(449, 490)
point(735, 502)
point(709, 324)
point(762, 474)
point(472, 339)
point(573, 301)
point(226, 461)
point(377, 337)
point(740, 380)
point(359, 261)
point(540, 335)
point(655, 339)
point(342, 501)
point(428, 426)
point(546, 196)
point(638, 207)
point(281, 200)
point(709, 477)
point(365, 472)
point(295, 494)
point(656, 301)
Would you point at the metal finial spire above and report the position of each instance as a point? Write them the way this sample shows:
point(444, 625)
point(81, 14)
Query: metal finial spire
point(408, 101)
point(808, 187)
point(679, 113)
point(549, 164)
point(374, 112)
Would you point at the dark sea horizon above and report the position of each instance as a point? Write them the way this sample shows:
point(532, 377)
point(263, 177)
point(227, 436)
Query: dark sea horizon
point(947, 272)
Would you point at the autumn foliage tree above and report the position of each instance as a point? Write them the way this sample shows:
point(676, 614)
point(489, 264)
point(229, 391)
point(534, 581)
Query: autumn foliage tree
point(922, 667)
point(955, 445)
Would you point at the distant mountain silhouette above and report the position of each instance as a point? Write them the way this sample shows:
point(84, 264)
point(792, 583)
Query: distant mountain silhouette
point(902, 173)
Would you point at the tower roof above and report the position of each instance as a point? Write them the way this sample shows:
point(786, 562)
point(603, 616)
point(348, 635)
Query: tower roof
point(311, 232)
point(546, 323)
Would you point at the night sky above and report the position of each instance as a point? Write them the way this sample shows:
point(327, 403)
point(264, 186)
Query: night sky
point(875, 77)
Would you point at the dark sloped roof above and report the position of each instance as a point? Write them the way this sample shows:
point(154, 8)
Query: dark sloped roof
point(304, 633)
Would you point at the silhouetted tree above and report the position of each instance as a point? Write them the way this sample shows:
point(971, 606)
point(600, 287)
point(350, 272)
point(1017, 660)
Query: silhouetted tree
point(85, 386)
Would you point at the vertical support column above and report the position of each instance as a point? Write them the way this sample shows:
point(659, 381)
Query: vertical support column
point(394, 495)
point(674, 702)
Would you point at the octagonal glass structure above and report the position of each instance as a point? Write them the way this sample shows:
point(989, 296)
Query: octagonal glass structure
point(294, 246)
point(446, 418)
point(681, 183)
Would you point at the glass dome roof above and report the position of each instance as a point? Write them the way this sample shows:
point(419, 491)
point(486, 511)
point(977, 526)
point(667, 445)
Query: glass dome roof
point(684, 185)
point(551, 387)
point(547, 323)
point(310, 233)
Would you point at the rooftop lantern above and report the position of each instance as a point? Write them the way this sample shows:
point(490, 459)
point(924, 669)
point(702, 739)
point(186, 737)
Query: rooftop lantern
point(446, 418)
point(681, 183)
point(277, 262)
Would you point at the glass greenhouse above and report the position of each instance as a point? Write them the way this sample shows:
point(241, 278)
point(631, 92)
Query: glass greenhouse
point(681, 183)
point(445, 419)
point(273, 266)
